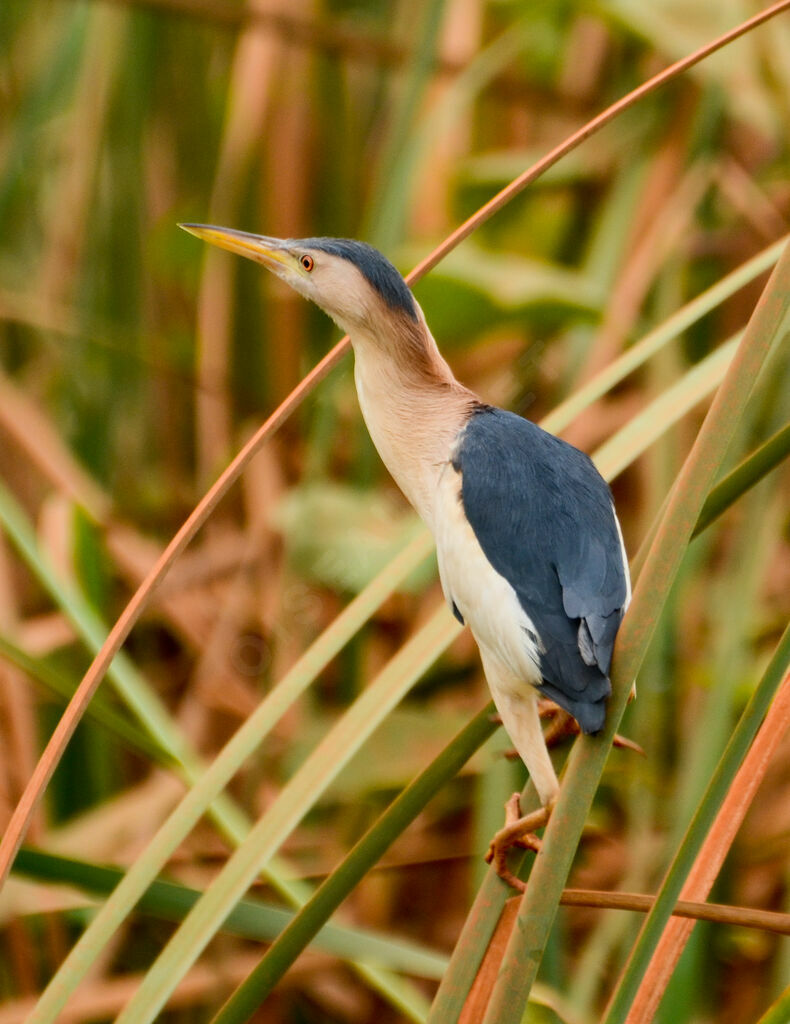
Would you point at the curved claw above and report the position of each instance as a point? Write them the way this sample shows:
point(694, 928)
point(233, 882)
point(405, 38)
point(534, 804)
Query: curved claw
point(625, 744)
point(562, 724)
point(518, 830)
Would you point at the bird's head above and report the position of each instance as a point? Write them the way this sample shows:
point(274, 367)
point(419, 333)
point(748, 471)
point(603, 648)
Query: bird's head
point(351, 281)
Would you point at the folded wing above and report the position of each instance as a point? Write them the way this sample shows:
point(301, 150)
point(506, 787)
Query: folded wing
point(544, 519)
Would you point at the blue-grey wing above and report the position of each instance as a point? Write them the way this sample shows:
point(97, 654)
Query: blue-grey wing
point(544, 518)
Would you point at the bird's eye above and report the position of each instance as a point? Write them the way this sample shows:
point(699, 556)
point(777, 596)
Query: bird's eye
point(307, 262)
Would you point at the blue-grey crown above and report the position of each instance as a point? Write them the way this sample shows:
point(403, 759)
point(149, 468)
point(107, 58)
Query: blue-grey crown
point(376, 268)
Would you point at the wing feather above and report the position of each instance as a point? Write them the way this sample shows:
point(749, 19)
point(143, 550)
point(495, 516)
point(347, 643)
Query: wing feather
point(544, 518)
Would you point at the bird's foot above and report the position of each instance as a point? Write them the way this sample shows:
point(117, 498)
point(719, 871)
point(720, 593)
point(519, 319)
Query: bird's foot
point(518, 830)
point(624, 743)
point(562, 724)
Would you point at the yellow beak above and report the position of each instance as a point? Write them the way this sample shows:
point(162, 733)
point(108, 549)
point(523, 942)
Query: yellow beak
point(263, 250)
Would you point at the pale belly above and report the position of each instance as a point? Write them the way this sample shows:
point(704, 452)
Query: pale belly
point(484, 598)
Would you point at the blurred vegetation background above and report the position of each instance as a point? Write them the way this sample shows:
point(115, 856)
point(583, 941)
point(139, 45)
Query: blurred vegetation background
point(134, 363)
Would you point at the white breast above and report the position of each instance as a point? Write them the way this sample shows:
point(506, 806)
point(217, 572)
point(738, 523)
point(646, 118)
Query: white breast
point(485, 599)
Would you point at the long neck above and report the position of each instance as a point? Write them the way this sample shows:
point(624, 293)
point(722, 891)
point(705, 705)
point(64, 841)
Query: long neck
point(412, 405)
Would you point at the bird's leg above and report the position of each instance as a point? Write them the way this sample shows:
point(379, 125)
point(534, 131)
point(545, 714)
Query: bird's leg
point(518, 830)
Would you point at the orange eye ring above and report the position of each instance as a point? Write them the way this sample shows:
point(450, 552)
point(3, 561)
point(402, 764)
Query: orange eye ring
point(307, 262)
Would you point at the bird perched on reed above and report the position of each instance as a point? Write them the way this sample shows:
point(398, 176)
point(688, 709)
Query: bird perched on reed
point(530, 551)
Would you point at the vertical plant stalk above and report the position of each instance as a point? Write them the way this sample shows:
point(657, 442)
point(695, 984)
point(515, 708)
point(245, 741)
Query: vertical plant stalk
point(299, 794)
point(64, 730)
point(331, 893)
point(552, 865)
point(480, 991)
point(711, 856)
point(480, 926)
point(715, 794)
